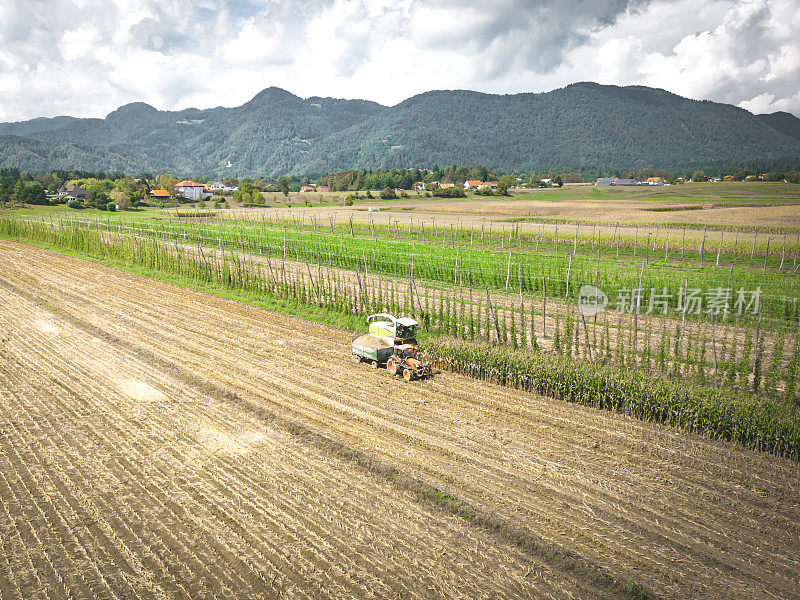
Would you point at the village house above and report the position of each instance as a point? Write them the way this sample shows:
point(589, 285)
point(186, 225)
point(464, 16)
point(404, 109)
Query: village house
point(471, 184)
point(192, 190)
point(323, 188)
point(218, 186)
point(308, 188)
point(446, 186)
point(160, 195)
point(419, 186)
point(655, 181)
point(72, 191)
point(604, 181)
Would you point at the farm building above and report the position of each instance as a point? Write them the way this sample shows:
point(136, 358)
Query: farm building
point(72, 191)
point(192, 190)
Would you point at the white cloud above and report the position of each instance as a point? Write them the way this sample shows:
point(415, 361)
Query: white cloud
point(743, 50)
point(87, 57)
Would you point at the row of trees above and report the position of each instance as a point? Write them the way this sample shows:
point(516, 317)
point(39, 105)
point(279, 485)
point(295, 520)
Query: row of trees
point(125, 191)
point(402, 179)
point(790, 175)
point(738, 174)
point(118, 189)
point(742, 175)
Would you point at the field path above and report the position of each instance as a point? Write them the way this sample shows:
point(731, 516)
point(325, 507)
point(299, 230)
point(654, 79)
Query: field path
point(684, 516)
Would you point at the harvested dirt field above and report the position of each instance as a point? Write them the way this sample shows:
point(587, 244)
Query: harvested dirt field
point(630, 211)
point(145, 452)
point(736, 204)
point(119, 480)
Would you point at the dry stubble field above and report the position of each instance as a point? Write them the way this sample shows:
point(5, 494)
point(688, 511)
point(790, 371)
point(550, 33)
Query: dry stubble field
point(145, 452)
point(735, 204)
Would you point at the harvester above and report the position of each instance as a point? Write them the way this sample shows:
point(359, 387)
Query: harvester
point(391, 342)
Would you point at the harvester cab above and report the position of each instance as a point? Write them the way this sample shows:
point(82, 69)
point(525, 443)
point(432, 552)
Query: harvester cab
point(393, 330)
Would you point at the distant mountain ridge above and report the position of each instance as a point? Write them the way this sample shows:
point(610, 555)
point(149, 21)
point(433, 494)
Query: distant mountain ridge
point(275, 133)
point(783, 122)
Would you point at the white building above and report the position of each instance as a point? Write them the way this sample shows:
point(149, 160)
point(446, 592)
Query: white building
point(192, 190)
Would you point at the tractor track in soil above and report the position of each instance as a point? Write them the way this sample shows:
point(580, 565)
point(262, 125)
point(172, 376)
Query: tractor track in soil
point(684, 516)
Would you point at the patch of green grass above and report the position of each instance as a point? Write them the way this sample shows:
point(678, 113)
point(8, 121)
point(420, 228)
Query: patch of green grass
point(436, 254)
point(783, 229)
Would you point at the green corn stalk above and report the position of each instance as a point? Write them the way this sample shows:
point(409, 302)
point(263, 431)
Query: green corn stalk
point(790, 393)
point(757, 365)
point(773, 371)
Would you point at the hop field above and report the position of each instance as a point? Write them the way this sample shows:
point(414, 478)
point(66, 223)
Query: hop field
point(747, 343)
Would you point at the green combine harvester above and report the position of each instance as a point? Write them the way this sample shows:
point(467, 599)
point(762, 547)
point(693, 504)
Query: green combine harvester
point(391, 342)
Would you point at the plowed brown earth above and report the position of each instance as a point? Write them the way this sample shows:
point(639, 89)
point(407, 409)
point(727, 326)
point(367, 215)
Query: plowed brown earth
point(687, 517)
point(119, 481)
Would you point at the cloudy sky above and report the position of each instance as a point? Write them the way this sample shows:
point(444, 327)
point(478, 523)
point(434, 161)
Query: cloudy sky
point(86, 57)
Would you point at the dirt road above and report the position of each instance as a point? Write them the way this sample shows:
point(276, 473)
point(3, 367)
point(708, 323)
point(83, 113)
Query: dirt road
point(684, 516)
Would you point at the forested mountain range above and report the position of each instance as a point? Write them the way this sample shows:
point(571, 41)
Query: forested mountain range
point(784, 122)
point(582, 125)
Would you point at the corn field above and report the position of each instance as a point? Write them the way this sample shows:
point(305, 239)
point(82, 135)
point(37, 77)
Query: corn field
point(761, 425)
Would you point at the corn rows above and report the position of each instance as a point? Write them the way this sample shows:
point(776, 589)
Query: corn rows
point(760, 425)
